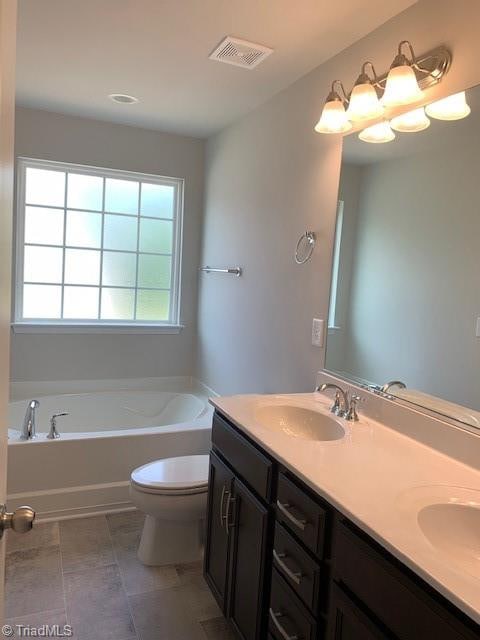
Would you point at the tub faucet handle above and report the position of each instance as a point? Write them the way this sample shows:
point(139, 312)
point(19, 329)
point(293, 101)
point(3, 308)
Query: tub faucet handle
point(53, 433)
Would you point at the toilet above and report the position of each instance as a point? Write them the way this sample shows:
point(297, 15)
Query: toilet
point(173, 495)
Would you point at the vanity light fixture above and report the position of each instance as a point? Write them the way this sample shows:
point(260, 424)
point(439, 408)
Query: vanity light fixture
point(334, 118)
point(454, 107)
point(377, 133)
point(411, 122)
point(401, 87)
point(364, 103)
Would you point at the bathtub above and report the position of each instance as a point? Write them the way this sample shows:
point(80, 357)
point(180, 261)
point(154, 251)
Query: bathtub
point(113, 426)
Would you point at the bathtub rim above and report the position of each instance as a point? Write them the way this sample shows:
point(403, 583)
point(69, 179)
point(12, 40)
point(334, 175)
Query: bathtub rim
point(25, 389)
point(173, 384)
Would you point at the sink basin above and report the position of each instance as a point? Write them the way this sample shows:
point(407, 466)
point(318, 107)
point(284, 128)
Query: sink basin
point(448, 517)
point(299, 422)
point(454, 529)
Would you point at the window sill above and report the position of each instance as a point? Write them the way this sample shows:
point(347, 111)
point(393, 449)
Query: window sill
point(50, 327)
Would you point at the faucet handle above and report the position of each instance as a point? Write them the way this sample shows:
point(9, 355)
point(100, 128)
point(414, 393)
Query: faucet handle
point(352, 414)
point(336, 407)
point(53, 433)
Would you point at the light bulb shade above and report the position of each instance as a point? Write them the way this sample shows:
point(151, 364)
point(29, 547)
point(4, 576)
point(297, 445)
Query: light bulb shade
point(364, 103)
point(453, 107)
point(377, 133)
point(333, 118)
point(410, 122)
point(401, 87)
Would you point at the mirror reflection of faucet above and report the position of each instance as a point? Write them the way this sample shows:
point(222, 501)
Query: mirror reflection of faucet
point(393, 383)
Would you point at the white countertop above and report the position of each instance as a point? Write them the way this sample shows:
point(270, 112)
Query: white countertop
point(375, 476)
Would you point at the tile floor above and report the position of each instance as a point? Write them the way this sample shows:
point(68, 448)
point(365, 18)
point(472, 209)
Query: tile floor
point(85, 573)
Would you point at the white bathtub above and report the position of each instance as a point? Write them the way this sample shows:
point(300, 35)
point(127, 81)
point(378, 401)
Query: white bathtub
point(113, 426)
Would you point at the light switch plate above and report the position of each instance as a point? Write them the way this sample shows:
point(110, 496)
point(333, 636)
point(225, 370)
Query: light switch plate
point(318, 330)
point(477, 328)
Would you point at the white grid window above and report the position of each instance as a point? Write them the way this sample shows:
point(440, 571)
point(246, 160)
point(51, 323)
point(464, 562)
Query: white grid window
point(97, 246)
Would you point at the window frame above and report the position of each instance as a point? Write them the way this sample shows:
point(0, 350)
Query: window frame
point(60, 325)
point(333, 323)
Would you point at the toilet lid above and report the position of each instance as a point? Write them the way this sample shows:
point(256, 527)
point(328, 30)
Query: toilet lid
point(185, 472)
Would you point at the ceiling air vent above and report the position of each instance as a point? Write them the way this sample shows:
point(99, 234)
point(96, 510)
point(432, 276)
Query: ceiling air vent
point(240, 53)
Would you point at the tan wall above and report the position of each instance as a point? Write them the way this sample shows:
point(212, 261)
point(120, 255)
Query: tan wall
point(268, 178)
point(40, 134)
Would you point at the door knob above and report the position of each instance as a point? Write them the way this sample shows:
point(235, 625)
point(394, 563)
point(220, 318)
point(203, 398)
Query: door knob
point(21, 520)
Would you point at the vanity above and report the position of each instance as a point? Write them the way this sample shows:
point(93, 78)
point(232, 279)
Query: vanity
point(312, 530)
point(320, 526)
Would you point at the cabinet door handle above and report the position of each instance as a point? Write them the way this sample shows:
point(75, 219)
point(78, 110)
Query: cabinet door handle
point(225, 494)
point(281, 630)
point(228, 524)
point(295, 576)
point(298, 522)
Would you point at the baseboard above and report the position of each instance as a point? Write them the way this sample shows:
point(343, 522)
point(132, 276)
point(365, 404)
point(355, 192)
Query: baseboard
point(75, 502)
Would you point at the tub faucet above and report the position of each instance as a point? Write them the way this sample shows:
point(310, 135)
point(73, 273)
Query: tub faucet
point(340, 406)
point(29, 422)
point(53, 433)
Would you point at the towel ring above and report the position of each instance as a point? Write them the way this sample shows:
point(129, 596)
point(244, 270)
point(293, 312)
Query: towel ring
point(303, 254)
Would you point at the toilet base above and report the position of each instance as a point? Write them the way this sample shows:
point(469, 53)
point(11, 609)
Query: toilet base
point(164, 542)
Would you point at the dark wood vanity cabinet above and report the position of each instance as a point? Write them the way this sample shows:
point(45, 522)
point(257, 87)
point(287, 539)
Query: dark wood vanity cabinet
point(284, 564)
point(348, 622)
point(239, 520)
point(217, 548)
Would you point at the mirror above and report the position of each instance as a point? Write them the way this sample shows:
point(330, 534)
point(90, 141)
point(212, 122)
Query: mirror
point(405, 296)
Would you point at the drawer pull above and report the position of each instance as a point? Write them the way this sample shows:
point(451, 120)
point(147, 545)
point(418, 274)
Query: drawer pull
point(298, 522)
point(296, 576)
point(283, 632)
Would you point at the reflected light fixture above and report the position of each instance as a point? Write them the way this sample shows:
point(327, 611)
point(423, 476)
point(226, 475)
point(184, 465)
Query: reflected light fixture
point(123, 98)
point(410, 122)
point(377, 133)
point(401, 86)
point(364, 103)
point(334, 118)
point(454, 107)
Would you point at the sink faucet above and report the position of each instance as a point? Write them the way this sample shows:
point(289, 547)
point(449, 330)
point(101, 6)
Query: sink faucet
point(340, 405)
point(28, 428)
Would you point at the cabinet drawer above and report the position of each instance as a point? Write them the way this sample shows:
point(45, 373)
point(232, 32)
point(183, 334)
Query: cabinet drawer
point(287, 617)
point(300, 514)
point(244, 457)
point(297, 567)
point(392, 596)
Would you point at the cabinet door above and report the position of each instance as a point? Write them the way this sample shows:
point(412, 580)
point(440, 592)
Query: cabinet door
point(348, 622)
point(217, 535)
point(249, 524)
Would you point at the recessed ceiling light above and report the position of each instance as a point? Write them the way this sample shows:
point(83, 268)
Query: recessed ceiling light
point(123, 98)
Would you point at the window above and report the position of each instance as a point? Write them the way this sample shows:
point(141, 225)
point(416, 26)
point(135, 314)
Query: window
point(333, 310)
point(97, 246)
